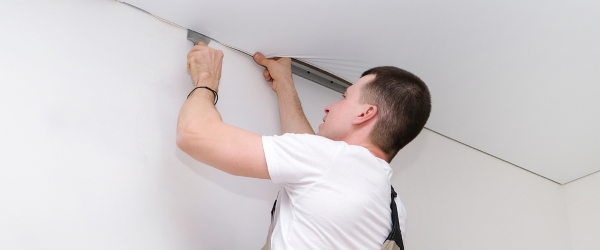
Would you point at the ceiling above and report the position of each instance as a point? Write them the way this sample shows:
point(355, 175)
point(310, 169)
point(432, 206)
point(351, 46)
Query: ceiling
point(519, 80)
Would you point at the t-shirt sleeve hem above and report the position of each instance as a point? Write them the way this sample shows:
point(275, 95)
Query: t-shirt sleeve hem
point(271, 159)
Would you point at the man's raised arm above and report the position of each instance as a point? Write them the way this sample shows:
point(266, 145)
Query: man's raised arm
point(201, 132)
point(279, 72)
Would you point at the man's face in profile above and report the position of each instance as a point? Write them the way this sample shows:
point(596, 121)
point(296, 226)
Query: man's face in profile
point(337, 123)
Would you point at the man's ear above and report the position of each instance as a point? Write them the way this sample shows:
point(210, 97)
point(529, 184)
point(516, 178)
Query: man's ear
point(368, 113)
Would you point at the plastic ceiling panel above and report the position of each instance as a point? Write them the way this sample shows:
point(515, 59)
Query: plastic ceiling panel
point(518, 80)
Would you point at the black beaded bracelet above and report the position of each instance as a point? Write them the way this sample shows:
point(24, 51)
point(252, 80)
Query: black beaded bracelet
point(205, 87)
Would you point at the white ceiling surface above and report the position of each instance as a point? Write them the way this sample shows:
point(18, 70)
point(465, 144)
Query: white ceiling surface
point(516, 79)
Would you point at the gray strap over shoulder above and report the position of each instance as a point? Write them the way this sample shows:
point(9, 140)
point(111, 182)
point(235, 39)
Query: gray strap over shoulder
point(394, 239)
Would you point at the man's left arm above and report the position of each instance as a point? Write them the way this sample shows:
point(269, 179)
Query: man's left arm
point(203, 135)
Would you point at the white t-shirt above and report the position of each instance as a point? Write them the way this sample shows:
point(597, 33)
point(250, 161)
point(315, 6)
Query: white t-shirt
point(333, 195)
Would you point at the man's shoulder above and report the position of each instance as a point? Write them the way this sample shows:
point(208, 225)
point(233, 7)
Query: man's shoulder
point(307, 139)
point(319, 142)
point(299, 158)
point(305, 136)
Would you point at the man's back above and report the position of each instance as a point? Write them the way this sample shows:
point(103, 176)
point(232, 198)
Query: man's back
point(333, 196)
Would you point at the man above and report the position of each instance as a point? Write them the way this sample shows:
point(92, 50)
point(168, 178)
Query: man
point(335, 185)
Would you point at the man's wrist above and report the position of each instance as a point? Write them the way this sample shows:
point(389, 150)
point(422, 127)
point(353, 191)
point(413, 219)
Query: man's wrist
point(216, 96)
point(284, 85)
point(211, 83)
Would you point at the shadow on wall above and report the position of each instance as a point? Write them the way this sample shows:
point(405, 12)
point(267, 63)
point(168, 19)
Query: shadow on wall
point(248, 187)
point(410, 153)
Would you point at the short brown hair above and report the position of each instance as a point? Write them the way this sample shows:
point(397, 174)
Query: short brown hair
point(403, 106)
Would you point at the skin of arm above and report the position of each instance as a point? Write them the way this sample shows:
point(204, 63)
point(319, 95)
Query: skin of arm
point(201, 132)
point(279, 72)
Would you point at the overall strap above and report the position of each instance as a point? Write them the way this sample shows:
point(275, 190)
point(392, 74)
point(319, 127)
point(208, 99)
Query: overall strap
point(395, 235)
point(273, 209)
point(267, 245)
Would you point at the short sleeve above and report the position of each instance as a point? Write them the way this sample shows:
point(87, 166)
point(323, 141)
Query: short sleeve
point(299, 158)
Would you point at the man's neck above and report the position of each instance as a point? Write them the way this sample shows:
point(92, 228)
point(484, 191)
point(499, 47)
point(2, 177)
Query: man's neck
point(376, 151)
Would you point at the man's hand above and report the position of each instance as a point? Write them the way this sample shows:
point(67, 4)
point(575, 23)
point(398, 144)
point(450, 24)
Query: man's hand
point(201, 132)
point(278, 70)
point(204, 64)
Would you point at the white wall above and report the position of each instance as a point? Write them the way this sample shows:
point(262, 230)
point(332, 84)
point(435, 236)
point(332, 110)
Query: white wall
point(459, 198)
point(583, 206)
point(90, 96)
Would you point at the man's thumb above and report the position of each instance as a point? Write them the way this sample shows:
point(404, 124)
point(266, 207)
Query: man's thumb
point(260, 59)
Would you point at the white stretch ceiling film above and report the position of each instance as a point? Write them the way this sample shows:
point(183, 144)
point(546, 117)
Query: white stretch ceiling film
point(516, 79)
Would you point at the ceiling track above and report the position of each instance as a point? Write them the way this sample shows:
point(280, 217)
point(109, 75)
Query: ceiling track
point(299, 67)
point(319, 76)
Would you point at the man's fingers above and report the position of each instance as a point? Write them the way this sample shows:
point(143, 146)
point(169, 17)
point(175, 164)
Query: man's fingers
point(204, 50)
point(204, 61)
point(276, 67)
point(267, 75)
point(260, 59)
point(200, 45)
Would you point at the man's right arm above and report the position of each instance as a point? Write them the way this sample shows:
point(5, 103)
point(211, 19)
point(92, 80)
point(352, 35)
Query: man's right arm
point(279, 72)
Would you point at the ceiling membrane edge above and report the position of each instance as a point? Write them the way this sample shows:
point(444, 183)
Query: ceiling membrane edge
point(458, 141)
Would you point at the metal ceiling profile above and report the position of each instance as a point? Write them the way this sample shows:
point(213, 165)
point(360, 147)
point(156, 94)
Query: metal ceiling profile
point(299, 67)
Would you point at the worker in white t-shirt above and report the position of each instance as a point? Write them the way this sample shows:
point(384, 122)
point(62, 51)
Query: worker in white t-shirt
point(335, 185)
